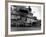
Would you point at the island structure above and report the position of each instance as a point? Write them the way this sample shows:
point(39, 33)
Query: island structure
point(21, 16)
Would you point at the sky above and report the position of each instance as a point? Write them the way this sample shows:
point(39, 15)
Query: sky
point(36, 10)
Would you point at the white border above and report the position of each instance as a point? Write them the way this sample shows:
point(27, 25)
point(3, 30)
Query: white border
point(23, 32)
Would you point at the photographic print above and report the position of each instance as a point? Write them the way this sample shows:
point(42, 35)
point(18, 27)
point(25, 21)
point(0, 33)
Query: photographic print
point(25, 18)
